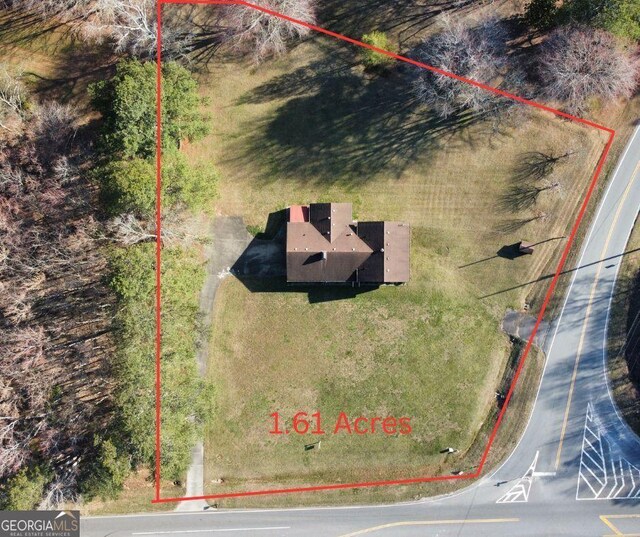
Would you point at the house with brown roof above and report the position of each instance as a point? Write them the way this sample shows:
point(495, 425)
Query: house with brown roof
point(326, 245)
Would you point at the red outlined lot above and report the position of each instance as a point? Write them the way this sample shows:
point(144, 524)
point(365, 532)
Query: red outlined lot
point(247, 5)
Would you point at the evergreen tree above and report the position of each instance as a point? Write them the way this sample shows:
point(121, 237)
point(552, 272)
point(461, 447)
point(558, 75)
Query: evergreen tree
point(106, 472)
point(127, 103)
point(24, 490)
point(541, 14)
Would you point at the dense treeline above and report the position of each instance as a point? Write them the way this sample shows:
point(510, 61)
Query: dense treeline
point(77, 239)
point(127, 177)
point(77, 257)
point(184, 394)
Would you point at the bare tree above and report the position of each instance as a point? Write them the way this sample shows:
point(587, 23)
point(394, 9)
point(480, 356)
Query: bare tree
point(52, 297)
point(475, 53)
point(577, 64)
point(265, 35)
point(12, 99)
point(54, 127)
point(129, 25)
point(127, 229)
point(23, 389)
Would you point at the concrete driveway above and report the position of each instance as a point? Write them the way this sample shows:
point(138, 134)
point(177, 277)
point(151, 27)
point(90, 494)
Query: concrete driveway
point(232, 251)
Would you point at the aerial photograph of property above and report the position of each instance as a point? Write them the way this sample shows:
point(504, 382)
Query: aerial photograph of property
point(319, 267)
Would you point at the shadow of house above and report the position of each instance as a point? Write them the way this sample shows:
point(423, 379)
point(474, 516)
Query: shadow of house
point(274, 230)
point(261, 259)
point(264, 256)
point(262, 267)
point(315, 293)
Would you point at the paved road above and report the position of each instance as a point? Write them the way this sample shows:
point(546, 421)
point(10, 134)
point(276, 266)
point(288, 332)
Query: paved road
point(576, 471)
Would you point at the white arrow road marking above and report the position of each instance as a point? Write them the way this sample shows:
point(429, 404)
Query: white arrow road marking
point(519, 493)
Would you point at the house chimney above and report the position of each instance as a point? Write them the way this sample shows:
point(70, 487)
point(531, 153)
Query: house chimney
point(324, 255)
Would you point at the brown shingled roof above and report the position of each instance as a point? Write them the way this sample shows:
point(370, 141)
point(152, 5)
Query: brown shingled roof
point(331, 247)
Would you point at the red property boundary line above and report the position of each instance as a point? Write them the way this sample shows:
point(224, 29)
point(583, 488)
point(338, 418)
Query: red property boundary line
point(415, 63)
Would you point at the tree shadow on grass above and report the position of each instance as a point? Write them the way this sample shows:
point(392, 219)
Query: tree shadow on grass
point(406, 17)
point(536, 165)
point(338, 126)
point(68, 65)
point(520, 197)
point(203, 29)
point(20, 27)
point(529, 181)
point(515, 224)
point(78, 69)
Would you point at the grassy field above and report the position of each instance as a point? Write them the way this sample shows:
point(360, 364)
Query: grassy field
point(314, 127)
point(384, 353)
point(341, 136)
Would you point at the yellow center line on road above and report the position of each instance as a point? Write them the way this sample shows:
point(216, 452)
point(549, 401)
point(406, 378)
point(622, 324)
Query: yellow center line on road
point(588, 313)
point(431, 523)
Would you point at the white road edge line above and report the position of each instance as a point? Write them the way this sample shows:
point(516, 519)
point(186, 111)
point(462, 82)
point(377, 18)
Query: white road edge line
point(566, 298)
point(268, 528)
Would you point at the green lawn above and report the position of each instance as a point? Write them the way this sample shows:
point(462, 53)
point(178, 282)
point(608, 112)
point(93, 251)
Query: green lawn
point(388, 352)
point(312, 127)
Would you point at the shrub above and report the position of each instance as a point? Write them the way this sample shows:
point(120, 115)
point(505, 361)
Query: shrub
point(105, 473)
point(129, 186)
point(24, 490)
point(186, 186)
point(376, 60)
point(127, 103)
point(185, 394)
